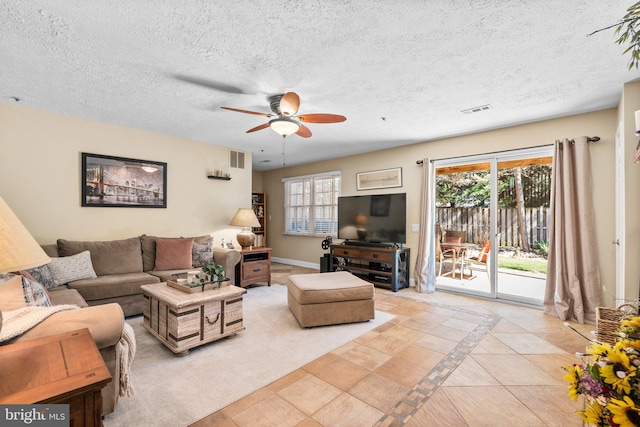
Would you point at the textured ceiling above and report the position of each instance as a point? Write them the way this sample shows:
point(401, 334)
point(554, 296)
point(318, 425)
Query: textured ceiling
point(401, 71)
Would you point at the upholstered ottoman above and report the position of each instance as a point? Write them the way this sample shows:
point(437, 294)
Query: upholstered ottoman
point(330, 298)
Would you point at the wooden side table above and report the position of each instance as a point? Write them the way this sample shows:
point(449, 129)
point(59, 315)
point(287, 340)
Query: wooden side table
point(60, 369)
point(254, 267)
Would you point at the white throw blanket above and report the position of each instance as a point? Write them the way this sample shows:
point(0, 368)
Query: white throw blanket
point(127, 351)
point(17, 322)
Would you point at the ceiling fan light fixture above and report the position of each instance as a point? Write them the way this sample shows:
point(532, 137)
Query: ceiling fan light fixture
point(284, 126)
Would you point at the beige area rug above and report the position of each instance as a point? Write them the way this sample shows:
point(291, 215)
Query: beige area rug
point(177, 391)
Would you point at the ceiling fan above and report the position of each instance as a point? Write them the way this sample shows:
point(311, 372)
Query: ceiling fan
point(285, 123)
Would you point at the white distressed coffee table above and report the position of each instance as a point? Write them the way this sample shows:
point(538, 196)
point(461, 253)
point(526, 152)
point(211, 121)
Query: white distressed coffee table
point(182, 320)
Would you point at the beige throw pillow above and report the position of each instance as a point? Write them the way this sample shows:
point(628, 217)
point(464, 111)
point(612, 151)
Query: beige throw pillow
point(11, 295)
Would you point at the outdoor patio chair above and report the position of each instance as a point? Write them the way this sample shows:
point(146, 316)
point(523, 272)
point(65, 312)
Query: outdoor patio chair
point(443, 256)
point(483, 257)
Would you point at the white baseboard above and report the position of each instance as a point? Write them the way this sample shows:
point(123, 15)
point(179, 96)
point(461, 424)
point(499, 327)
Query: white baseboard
point(315, 266)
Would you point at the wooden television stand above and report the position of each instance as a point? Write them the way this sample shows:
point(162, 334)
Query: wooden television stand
point(384, 266)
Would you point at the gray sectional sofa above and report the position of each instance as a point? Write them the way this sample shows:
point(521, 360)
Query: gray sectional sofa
point(103, 279)
point(122, 266)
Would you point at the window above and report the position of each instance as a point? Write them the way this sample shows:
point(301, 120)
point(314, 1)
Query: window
point(311, 204)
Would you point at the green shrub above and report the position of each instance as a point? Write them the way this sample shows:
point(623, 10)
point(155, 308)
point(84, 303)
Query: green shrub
point(543, 248)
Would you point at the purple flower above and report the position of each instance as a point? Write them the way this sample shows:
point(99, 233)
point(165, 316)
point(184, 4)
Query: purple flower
point(591, 386)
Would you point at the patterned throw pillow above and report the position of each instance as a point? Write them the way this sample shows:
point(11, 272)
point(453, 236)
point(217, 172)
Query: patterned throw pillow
point(202, 252)
point(69, 268)
point(34, 293)
point(43, 276)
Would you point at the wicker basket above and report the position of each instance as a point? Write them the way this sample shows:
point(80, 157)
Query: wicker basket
point(608, 321)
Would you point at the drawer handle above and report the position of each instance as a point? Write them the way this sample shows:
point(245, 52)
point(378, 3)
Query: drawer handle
point(375, 255)
point(214, 322)
point(255, 270)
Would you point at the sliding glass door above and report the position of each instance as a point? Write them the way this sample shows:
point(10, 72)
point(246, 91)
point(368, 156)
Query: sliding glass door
point(492, 222)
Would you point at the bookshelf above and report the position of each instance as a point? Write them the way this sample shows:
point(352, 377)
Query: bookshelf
point(259, 206)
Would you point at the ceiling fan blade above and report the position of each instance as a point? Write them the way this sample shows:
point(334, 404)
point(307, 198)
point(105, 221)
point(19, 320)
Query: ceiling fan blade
point(289, 103)
point(321, 118)
point(263, 126)
point(247, 111)
point(304, 132)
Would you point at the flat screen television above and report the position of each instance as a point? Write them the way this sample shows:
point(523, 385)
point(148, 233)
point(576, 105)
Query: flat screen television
point(375, 218)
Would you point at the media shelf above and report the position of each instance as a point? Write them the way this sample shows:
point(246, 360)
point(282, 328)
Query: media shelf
point(259, 206)
point(383, 266)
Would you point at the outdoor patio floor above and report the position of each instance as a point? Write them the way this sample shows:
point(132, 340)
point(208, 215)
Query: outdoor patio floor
point(511, 283)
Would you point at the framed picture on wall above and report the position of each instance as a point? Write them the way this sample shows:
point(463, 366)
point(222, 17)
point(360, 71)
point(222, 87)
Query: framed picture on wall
point(385, 178)
point(109, 181)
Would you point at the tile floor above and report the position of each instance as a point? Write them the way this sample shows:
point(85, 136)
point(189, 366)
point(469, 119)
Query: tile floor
point(444, 360)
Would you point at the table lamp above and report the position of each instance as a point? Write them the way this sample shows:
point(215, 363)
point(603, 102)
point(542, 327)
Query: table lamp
point(245, 218)
point(18, 249)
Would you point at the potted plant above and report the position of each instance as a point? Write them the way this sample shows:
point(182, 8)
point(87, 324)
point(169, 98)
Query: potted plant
point(215, 270)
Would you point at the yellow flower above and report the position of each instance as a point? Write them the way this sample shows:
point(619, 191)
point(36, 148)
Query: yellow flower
point(618, 371)
point(634, 322)
point(625, 413)
point(629, 343)
point(593, 414)
point(574, 373)
point(599, 349)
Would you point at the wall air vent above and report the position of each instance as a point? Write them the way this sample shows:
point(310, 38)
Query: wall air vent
point(236, 159)
point(476, 109)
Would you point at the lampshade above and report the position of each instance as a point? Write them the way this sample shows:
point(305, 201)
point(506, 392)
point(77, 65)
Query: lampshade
point(285, 126)
point(18, 249)
point(245, 218)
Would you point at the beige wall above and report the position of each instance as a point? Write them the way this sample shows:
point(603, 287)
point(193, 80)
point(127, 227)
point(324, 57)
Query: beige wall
point(40, 161)
point(256, 184)
point(40, 180)
point(307, 250)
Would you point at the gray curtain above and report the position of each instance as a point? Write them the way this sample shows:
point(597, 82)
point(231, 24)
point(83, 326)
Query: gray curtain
point(425, 270)
point(573, 288)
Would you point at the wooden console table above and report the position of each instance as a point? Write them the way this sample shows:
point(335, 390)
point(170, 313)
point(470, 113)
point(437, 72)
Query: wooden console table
point(60, 369)
point(254, 267)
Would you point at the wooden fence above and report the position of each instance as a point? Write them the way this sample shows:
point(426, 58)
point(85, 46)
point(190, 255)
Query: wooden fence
point(476, 223)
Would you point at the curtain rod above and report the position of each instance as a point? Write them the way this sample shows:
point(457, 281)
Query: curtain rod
point(589, 139)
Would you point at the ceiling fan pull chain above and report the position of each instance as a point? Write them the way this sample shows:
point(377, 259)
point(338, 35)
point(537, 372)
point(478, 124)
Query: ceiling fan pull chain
point(283, 155)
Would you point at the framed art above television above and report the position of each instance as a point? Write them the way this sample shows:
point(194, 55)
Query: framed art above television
point(109, 181)
point(384, 178)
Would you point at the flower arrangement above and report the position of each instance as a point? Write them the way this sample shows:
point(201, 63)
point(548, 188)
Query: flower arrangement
point(610, 380)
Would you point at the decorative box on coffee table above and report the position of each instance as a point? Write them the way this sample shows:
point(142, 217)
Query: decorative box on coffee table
point(182, 320)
